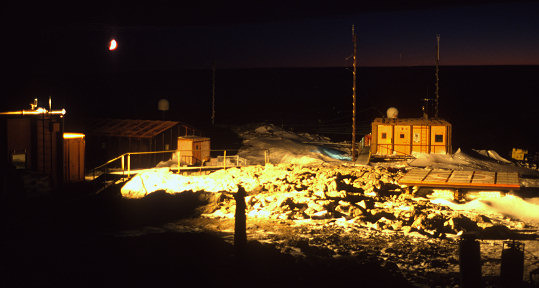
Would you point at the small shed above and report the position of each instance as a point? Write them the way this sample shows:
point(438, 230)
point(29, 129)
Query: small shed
point(194, 150)
point(32, 140)
point(405, 136)
point(74, 148)
point(109, 138)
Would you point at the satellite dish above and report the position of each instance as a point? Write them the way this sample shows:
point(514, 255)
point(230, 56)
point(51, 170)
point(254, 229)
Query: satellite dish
point(392, 113)
point(163, 105)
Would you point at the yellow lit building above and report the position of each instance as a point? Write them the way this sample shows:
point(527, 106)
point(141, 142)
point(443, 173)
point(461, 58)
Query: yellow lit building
point(406, 136)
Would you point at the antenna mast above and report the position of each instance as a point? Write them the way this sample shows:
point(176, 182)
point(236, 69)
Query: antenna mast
point(354, 39)
point(213, 94)
point(437, 95)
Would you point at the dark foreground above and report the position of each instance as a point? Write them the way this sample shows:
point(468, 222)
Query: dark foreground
point(75, 241)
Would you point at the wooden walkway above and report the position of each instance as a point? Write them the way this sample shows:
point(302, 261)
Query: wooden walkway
point(461, 179)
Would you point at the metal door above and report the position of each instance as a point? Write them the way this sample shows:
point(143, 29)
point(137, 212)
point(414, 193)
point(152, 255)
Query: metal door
point(402, 140)
point(385, 139)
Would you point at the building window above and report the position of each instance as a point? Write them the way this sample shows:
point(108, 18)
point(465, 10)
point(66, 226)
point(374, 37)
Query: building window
point(384, 135)
point(19, 161)
point(438, 138)
point(402, 135)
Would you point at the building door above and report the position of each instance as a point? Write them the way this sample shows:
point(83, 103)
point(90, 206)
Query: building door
point(385, 139)
point(438, 141)
point(402, 140)
point(420, 139)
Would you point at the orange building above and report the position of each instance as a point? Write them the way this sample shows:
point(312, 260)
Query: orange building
point(403, 137)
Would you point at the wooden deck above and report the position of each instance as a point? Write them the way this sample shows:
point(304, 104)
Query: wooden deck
point(461, 179)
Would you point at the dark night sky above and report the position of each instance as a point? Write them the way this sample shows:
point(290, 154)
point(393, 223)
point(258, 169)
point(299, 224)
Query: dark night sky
point(157, 35)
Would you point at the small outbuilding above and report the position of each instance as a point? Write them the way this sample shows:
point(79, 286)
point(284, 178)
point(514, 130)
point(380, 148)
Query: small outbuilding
point(33, 143)
point(74, 154)
point(194, 150)
point(405, 136)
point(110, 138)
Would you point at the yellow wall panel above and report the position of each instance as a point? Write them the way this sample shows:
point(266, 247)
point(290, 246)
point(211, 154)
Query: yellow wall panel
point(402, 139)
point(385, 139)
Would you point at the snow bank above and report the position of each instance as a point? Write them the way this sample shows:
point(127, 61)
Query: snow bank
point(153, 180)
point(286, 147)
point(487, 160)
point(526, 210)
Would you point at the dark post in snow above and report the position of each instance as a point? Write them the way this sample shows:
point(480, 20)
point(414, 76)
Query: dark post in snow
point(240, 233)
point(437, 77)
point(354, 96)
point(470, 261)
point(512, 267)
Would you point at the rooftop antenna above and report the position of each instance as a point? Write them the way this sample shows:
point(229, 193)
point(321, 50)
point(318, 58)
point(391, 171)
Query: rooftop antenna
point(354, 39)
point(437, 70)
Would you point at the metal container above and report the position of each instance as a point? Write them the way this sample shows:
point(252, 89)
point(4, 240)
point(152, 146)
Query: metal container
point(74, 147)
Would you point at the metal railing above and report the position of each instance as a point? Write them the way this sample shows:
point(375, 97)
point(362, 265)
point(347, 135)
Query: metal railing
point(188, 159)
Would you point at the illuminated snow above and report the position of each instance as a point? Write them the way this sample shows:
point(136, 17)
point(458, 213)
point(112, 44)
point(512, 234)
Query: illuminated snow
point(512, 206)
point(298, 150)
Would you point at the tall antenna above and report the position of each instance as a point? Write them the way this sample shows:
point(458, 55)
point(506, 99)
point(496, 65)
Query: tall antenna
point(354, 39)
point(213, 94)
point(436, 75)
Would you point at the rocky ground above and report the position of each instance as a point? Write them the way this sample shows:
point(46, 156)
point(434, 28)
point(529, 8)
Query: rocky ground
point(306, 226)
point(359, 212)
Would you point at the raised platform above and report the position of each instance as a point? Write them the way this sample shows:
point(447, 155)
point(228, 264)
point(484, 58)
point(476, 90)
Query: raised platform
point(461, 179)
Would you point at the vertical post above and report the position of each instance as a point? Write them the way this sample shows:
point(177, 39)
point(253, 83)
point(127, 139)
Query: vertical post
point(437, 70)
point(240, 222)
point(128, 164)
point(224, 160)
point(470, 262)
point(512, 268)
point(213, 95)
point(237, 160)
point(123, 165)
point(179, 161)
point(354, 97)
point(163, 143)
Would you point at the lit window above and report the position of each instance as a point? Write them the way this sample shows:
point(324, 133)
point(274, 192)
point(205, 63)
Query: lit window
point(19, 161)
point(438, 138)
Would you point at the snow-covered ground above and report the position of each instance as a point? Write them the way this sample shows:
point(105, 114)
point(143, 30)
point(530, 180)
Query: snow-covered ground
point(312, 183)
point(288, 147)
point(267, 143)
point(313, 167)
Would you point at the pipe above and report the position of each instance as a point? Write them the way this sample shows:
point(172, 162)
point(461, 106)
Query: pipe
point(38, 111)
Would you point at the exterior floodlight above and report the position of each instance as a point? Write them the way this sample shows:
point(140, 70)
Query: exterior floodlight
point(113, 45)
point(73, 135)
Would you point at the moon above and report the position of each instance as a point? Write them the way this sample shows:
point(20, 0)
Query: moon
point(113, 45)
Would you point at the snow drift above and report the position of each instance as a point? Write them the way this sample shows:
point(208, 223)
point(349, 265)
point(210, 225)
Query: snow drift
point(287, 147)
